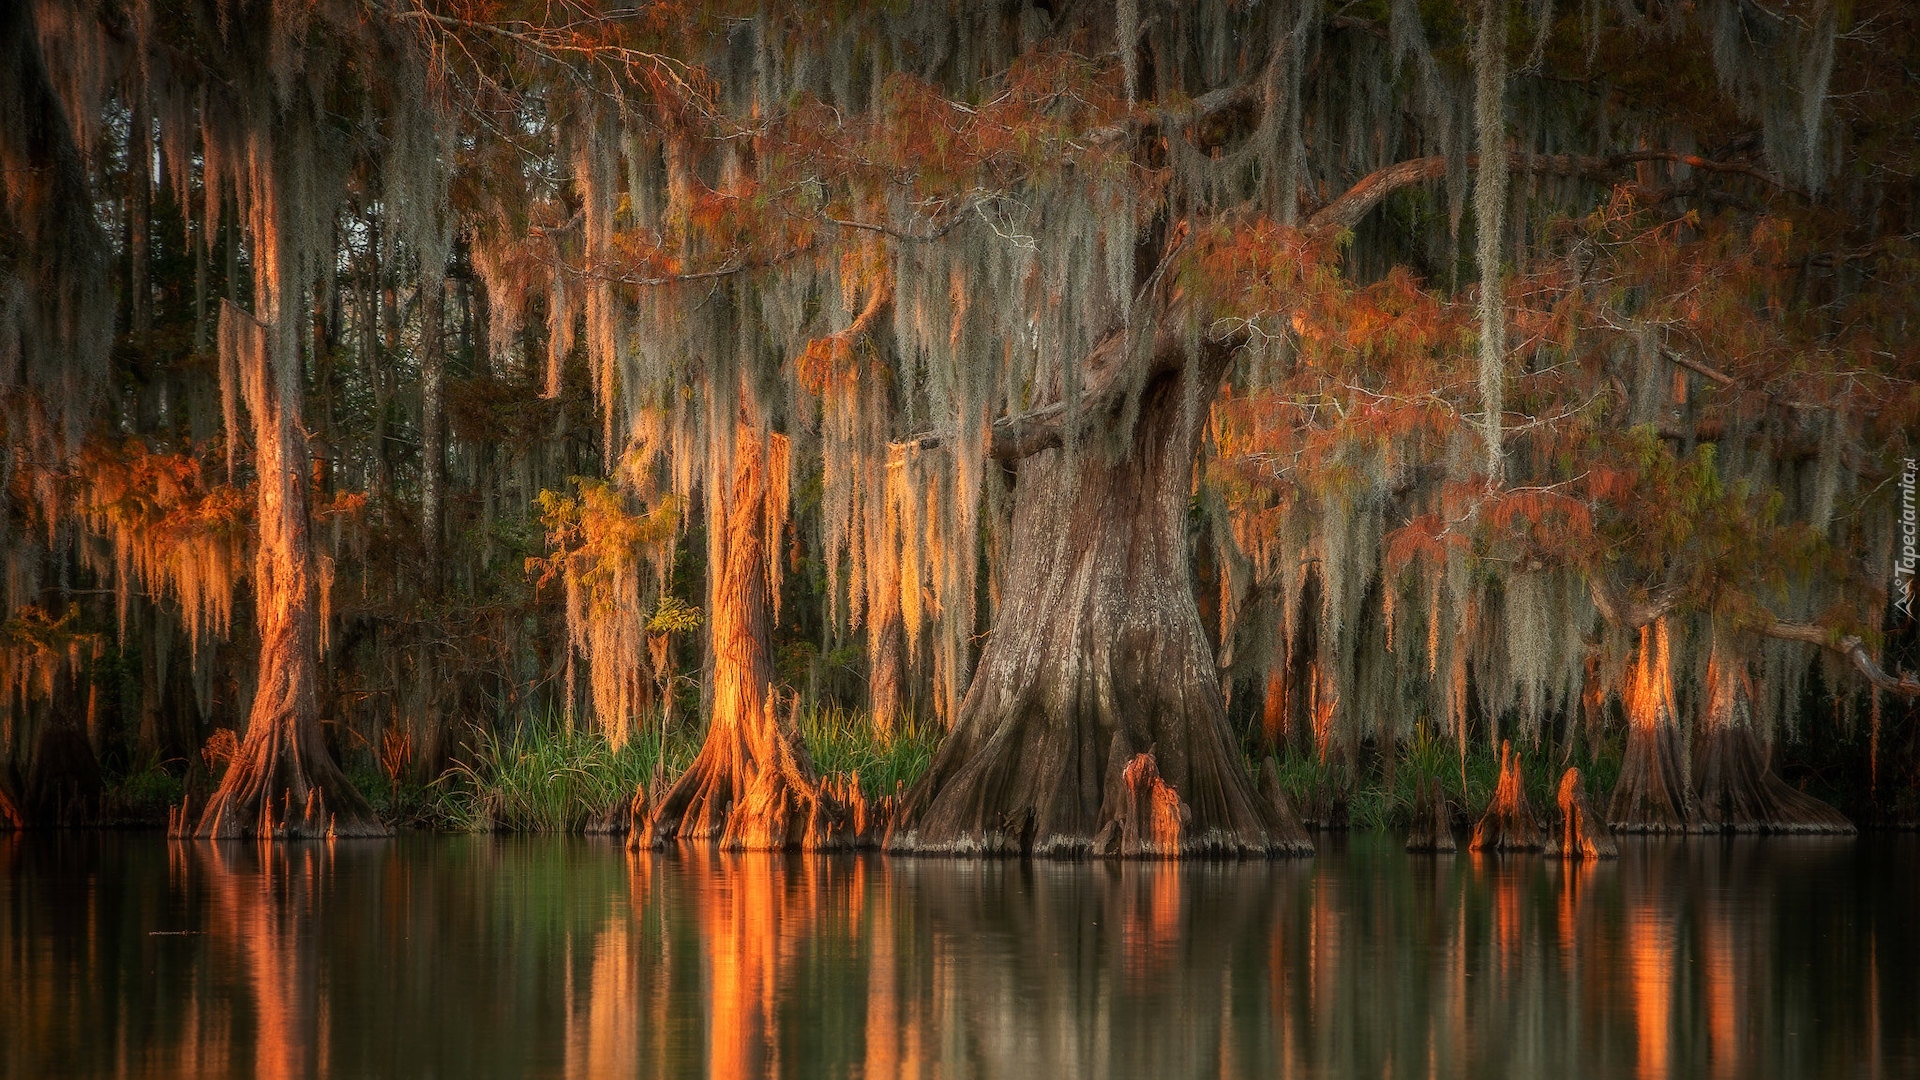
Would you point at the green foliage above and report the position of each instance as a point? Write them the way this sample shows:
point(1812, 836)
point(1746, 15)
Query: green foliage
point(673, 616)
point(550, 777)
point(1379, 798)
point(842, 741)
point(143, 794)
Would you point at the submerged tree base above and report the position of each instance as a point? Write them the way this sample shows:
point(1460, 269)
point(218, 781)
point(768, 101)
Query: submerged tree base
point(1652, 794)
point(749, 791)
point(1432, 830)
point(276, 795)
point(1582, 834)
point(1510, 823)
point(1097, 661)
point(1739, 793)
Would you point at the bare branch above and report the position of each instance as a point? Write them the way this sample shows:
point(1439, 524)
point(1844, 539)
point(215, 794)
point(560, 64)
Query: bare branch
point(1849, 646)
point(1346, 211)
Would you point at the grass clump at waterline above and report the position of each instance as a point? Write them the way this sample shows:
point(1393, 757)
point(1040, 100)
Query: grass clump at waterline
point(549, 777)
point(1379, 795)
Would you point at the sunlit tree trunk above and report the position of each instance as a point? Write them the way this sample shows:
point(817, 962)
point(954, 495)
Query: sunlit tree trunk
point(753, 785)
point(1654, 792)
point(282, 783)
point(1097, 659)
point(887, 670)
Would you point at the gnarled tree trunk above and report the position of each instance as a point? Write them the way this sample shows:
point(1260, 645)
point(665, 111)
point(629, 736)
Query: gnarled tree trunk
point(1654, 793)
point(1510, 823)
point(1582, 834)
point(282, 782)
point(1738, 792)
point(753, 786)
point(1097, 657)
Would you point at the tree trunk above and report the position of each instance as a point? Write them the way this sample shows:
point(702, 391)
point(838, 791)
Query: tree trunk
point(433, 417)
point(1582, 834)
point(886, 670)
point(1432, 829)
point(1738, 792)
point(140, 221)
point(63, 784)
point(282, 783)
point(752, 786)
point(1509, 823)
point(1097, 657)
point(1653, 793)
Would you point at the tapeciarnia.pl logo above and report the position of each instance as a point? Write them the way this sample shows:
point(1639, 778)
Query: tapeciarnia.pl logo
point(1903, 566)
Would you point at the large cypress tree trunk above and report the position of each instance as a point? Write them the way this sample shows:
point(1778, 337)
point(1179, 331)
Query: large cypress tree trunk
point(282, 783)
point(886, 670)
point(1654, 792)
point(753, 786)
point(1098, 658)
point(1738, 791)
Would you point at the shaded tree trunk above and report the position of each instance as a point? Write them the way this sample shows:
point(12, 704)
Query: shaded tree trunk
point(752, 786)
point(282, 782)
point(1432, 829)
point(433, 416)
point(63, 782)
point(1097, 657)
point(140, 221)
point(1740, 793)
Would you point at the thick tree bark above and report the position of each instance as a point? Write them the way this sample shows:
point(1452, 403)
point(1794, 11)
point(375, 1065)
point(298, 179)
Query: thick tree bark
point(886, 670)
point(1510, 823)
point(753, 786)
point(282, 782)
point(1432, 829)
point(1097, 657)
point(1654, 793)
point(1738, 792)
point(1582, 834)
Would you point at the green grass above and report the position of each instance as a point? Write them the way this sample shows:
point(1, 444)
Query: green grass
point(143, 795)
point(1379, 798)
point(551, 778)
point(842, 741)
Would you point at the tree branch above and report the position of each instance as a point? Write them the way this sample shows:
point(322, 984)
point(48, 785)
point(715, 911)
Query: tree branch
point(1632, 616)
point(1346, 211)
point(1045, 428)
point(1849, 646)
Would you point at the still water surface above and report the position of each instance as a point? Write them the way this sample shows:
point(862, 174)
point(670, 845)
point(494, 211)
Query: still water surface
point(124, 955)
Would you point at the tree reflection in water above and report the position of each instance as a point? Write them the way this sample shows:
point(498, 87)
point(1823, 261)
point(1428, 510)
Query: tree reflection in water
point(483, 957)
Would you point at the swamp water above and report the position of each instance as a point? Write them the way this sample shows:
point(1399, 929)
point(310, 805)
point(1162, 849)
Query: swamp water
point(129, 956)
